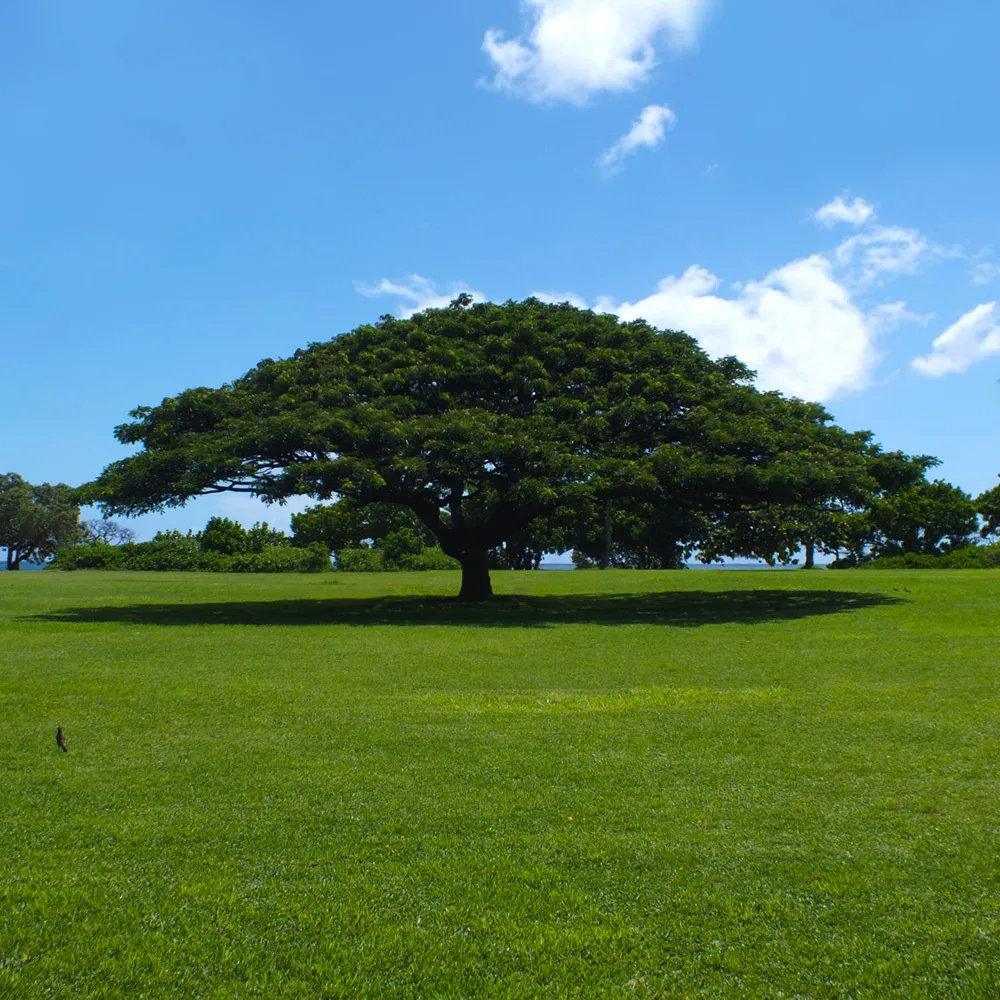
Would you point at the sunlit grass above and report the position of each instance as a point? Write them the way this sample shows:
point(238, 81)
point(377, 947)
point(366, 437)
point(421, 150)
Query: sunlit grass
point(709, 785)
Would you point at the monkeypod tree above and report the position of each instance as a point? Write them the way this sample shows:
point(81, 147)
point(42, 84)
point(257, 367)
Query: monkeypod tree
point(481, 419)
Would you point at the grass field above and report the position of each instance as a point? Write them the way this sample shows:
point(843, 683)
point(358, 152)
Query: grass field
point(721, 785)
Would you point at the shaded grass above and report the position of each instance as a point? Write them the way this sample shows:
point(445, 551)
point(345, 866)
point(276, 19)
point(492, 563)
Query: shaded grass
point(679, 609)
point(643, 784)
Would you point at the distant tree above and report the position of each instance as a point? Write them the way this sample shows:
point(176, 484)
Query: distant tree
point(524, 549)
point(349, 524)
point(988, 508)
point(481, 419)
point(105, 532)
point(925, 519)
point(637, 533)
point(35, 521)
point(841, 522)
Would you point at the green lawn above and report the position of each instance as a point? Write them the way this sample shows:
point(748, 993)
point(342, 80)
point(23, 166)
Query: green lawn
point(722, 785)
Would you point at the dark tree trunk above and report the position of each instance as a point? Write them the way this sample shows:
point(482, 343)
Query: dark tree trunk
point(810, 555)
point(607, 550)
point(476, 584)
point(13, 560)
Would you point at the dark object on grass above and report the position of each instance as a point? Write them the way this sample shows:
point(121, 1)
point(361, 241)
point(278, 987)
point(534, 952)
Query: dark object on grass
point(61, 739)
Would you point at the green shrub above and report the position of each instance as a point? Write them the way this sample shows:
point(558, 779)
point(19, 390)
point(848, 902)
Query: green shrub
point(360, 561)
point(375, 561)
point(180, 553)
point(283, 559)
point(223, 536)
point(969, 557)
point(401, 544)
point(428, 559)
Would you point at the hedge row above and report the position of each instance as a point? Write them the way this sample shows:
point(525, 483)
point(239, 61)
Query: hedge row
point(185, 555)
point(971, 557)
point(374, 561)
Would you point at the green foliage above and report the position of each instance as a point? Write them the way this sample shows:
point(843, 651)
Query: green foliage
point(262, 537)
point(223, 547)
point(281, 559)
point(481, 420)
point(223, 536)
point(399, 544)
point(988, 508)
point(36, 521)
point(624, 786)
point(369, 538)
point(360, 561)
point(349, 524)
point(376, 561)
point(642, 534)
point(894, 511)
point(967, 557)
point(924, 519)
point(177, 557)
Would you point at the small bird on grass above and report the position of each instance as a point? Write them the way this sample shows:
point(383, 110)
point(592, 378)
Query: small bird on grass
point(61, 739)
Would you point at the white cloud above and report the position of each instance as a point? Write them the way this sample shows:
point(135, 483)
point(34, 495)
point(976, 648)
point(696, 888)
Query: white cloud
point(576, 48)
point(856, 214)
point(807, 328)
point(974, 337)
point(984, 273)
point(799, 327)
point(417, 293)
point(648, 130)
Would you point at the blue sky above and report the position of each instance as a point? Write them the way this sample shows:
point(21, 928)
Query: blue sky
point(187, 186)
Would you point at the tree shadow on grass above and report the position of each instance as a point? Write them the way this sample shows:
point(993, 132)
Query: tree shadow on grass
point(684, 609)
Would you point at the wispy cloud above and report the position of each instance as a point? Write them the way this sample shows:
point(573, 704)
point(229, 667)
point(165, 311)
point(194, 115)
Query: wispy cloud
point(416, 293)
point(972, 338)
point(649, 130)
point(879, 252)
point(839, 211)
point(985, 272)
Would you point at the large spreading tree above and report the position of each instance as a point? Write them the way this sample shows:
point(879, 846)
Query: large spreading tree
point(482, 419)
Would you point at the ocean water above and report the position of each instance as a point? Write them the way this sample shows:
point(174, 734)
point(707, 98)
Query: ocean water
point(700, 566)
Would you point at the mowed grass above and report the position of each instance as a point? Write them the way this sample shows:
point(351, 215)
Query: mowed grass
point(620, 784)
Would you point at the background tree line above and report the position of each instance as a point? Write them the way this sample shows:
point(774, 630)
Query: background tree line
point(908, 521)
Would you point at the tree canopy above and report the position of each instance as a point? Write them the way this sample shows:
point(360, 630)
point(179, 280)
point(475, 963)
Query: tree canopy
point(35, 520)
point(483, 419)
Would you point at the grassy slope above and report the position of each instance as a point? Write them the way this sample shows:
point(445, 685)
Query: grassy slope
point(689, 785)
